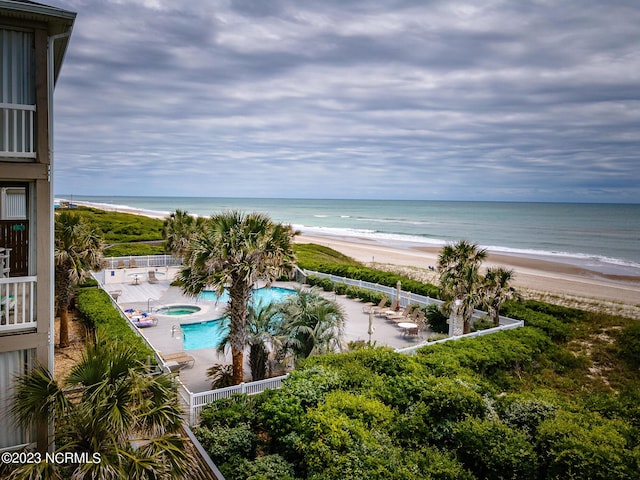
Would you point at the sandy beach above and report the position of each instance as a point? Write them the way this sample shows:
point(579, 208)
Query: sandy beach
point(550, 281)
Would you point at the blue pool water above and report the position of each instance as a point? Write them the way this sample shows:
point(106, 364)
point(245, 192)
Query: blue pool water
point(261, 295)
point(204, 334)
point(209, 334)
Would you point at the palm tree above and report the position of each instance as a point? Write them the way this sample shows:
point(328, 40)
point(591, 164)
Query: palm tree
point(77, 250)
point(114, 409)
point(263, 325)
point(177, 230)
point(496, 290)
point(234, 250)
point(459, 267)
point(263, 335)
point(312, 324)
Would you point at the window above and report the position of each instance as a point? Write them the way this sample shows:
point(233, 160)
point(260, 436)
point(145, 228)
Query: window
point(12, 364)
point(17, 94)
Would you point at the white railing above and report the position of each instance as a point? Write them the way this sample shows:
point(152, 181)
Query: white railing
point(17, 130)
point(408, 298)
point(413, 349)
point(143, 261)
point(17, 303)
point(195, 401)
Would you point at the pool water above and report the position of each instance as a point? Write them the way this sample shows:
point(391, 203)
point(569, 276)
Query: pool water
point(260, 295)
point(209, 334)
point(204, 334)
point(178, 310)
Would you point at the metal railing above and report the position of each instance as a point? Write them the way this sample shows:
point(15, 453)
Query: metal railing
point(194, 402)
point(17, 130)
point(17, 303)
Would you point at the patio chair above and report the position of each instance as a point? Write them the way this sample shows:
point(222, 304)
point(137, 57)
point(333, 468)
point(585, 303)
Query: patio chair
point(381, 312)
point(373, 308)
point(152, 276)
point(178, 361)
point(400, 316)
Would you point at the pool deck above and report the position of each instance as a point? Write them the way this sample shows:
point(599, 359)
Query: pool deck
point(166, 337)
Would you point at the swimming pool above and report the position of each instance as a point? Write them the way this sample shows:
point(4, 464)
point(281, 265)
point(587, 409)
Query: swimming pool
point(204, 334)
point(261, 295)
point(208, 334)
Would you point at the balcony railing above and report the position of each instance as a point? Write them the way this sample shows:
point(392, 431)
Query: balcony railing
point(17, 304)
point(17, 131)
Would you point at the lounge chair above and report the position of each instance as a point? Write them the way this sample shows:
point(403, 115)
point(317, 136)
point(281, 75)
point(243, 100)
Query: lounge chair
point(178, 361)
point(384, 311)
point(152, 276)
point(373, 308)
point(400, 316)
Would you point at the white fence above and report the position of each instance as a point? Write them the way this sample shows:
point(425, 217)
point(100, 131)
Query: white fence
point(143, 261)
point(408, 298)
point(195, 401)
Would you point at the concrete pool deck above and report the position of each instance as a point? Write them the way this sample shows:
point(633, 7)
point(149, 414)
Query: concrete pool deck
point(166, 336)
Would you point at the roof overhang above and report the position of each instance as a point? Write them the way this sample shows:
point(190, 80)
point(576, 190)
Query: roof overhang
point(59, 24)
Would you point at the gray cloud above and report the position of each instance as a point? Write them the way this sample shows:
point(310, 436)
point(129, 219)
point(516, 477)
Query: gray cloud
point(456, 99)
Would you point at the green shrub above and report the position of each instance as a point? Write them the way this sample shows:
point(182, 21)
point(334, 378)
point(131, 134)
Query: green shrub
point(222, 443)
point(438, 322)
point(492, 450)
point(268, 467)
point(526, 414)
point(229, 412)
point(628, 342)
point(483, 323)
point(555, 328)
point(133, 249)
point(583, 446)
point(99, 314)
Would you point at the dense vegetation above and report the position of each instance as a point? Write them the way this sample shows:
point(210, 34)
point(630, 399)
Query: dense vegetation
point(99, 315)
point(122, 227)
point(557, 399)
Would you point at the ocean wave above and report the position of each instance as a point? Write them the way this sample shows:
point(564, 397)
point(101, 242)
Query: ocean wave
point(405, 241)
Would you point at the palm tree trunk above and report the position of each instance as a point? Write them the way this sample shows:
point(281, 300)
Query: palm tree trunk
point(238, 365)
point(64, 326)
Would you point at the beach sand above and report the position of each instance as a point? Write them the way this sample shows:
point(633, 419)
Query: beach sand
point(540, 279)
point(545, 280)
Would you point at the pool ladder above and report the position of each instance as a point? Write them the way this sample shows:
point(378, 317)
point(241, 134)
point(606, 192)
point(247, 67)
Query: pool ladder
point(176, 329)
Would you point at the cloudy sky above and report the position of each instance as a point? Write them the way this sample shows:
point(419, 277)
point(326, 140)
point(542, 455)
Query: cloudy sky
point(411, 99)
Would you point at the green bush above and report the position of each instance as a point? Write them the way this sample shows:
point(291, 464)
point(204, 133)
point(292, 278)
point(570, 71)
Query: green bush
point(438, 321)
point(223, 443)
point(268, 467)
point(239, 409)
point(555, 328)
point(133, 249)
point(99, 314)
point(628, 343)
point(584, 445)
point(492, 450)
point(525, 414)
point(381, 277)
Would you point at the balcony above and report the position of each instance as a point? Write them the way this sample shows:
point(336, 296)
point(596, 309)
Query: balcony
point(17, 304)
point(17, 131)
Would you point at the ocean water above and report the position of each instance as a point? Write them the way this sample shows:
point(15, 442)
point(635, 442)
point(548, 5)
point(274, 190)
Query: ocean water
point(602, 237)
